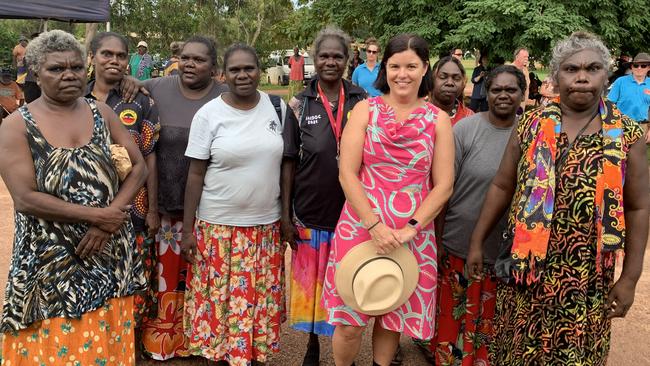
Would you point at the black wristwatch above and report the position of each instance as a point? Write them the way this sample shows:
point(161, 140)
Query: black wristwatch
point(415, 224)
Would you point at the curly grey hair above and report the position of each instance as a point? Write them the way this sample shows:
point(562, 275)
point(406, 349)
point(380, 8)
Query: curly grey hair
point(576, 42)
point(335, 33)
point(48, 42)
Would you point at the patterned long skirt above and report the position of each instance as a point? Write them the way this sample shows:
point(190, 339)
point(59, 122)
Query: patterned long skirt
point(234, 299)
point(145, 301)
point(464, 327)
point(560, 320)
point(162, 336)
point(101, 337)
point(308, 265)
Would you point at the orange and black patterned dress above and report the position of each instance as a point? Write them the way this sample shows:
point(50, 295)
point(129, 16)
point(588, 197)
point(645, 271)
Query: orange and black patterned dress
point(561, 319)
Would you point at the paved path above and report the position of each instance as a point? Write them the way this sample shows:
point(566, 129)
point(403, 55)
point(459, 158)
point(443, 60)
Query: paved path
point(630, 335)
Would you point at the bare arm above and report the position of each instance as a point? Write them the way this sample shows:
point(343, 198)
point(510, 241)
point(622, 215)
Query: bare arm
point(17, 170)
point(288, 230)
point(497, 199)
point(635, 196)
point(637, 202)
point(153, 220)
point(352, 142)
point(193, 191)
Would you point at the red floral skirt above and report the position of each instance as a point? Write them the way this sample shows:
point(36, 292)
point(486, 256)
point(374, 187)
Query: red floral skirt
point(234, 303)
point(465, 314)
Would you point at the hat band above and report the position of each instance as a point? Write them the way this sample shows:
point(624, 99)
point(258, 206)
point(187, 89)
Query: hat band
point(373, 259)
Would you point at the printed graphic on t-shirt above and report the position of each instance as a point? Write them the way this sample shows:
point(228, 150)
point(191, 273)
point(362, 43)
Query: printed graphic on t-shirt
point(273, 127)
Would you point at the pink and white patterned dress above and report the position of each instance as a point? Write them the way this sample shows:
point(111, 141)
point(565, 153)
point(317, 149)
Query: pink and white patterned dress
point(396, 175)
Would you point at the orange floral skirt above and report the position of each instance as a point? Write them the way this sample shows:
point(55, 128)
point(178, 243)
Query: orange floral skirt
point(101, 337)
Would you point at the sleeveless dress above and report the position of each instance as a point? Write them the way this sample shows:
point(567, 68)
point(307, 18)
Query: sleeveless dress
point(396, 175)
point(57, 304)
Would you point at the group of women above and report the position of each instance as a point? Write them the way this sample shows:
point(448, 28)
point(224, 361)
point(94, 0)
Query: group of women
point(185, 256)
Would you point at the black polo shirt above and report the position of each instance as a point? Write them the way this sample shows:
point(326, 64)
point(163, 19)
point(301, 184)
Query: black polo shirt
point(318, 197)
point(140, 117)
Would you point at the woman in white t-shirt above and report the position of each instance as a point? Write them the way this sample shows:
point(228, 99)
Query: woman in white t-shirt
point(233, 299)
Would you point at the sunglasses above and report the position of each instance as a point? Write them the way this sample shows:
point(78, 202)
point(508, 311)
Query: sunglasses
point(642, 66)
point(372, 52)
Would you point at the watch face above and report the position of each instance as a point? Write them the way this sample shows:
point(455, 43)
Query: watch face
point(413, 222)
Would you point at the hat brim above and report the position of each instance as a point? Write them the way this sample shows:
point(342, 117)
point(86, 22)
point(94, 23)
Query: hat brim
point(356, 257)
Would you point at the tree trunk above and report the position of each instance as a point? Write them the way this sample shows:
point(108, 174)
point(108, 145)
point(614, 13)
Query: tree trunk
point(91, 31)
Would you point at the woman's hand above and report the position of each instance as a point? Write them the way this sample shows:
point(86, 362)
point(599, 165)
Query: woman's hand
point(153, 223)
point(129, 88)
point(92, 243)
point(111, 218)
point(474, 262)
point(620, 298)
point(288, 233)
point(385, 238)
point(406, 234)
point(189, 247)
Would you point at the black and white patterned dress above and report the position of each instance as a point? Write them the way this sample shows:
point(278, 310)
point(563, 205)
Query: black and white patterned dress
point(46, 278)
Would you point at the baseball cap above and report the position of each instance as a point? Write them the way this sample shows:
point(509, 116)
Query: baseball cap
point(143, 44)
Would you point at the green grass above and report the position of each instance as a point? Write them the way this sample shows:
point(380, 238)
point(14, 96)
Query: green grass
point(471, 64)
point(264, 86)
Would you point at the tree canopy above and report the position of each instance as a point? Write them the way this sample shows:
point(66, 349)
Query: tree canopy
point(498, 26)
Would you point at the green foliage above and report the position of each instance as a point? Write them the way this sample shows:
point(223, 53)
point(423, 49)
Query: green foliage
point(503, 25)
point(254, 22)
point(497, 25)
point(10, 31)
point(8, 39)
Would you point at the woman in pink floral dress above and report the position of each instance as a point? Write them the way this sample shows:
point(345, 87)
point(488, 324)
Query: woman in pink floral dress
point(396, 169)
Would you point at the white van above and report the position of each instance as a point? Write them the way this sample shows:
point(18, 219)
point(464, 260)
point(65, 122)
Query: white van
point(279, 74)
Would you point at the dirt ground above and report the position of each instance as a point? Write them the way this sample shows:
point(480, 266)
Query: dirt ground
point(629, 336)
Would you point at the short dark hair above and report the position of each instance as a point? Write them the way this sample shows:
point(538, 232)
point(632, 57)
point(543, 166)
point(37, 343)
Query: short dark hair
point(240, 47)
point(401, 43)
point(100, 37)
point(506, 69)
point(207, 42)
point(444, 60)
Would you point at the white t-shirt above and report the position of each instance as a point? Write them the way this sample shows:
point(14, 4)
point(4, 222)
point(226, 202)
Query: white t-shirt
point(242, 181)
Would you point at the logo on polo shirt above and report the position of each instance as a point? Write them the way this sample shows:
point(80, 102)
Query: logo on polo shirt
point(313, 120)
point(128, 117)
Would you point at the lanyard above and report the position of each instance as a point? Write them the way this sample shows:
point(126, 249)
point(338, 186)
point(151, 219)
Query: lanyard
point(335, 124)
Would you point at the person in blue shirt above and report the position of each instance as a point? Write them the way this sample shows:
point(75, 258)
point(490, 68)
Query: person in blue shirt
point(631, 93)
point(366, 74)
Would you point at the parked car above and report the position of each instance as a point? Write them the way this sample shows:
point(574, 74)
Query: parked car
point(278, 73)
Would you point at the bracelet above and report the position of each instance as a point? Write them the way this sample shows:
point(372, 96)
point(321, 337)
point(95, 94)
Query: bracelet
point(373, 225)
